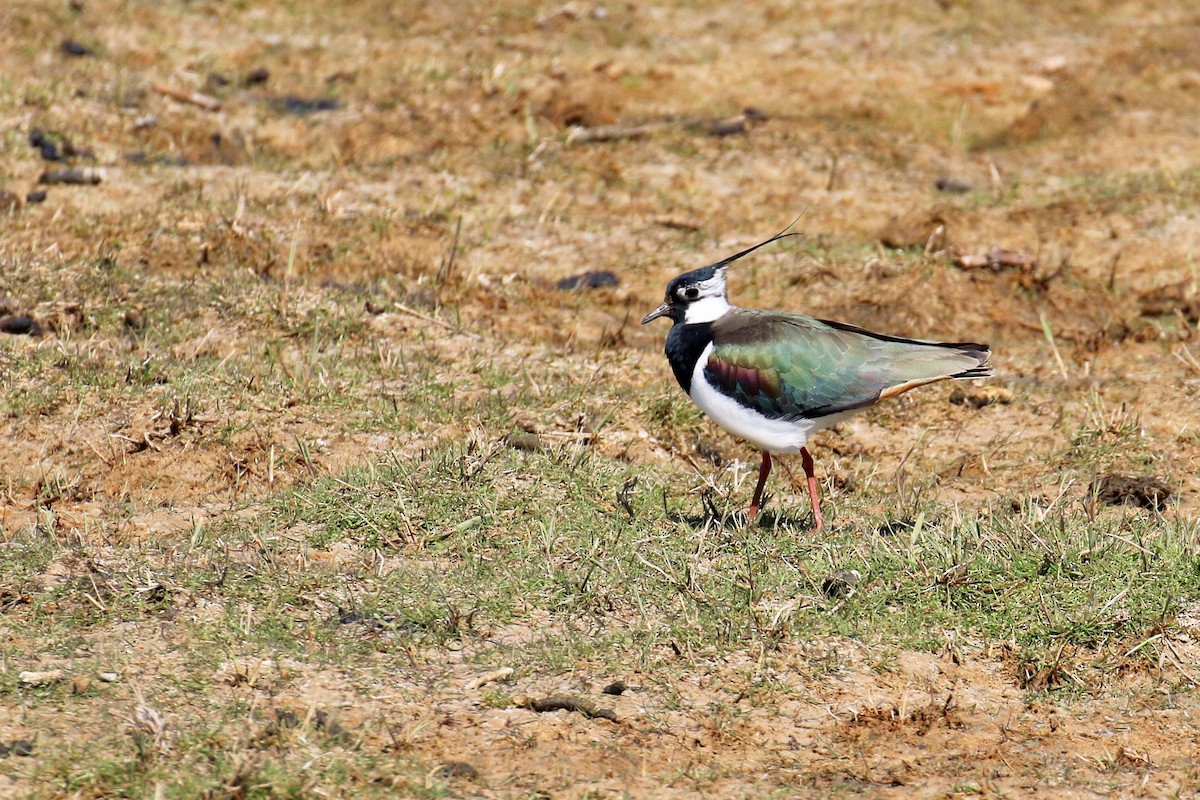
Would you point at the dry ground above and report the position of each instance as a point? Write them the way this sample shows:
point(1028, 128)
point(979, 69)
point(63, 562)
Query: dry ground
point(263, 307)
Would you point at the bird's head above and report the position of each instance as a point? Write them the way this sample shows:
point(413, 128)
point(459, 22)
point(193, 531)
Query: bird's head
point(701, 295)
point(696, 296)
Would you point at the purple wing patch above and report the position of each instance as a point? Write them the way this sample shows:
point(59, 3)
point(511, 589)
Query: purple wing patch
point(749, 381)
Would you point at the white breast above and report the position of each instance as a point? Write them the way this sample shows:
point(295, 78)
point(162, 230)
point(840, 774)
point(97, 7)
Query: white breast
point(774, 435)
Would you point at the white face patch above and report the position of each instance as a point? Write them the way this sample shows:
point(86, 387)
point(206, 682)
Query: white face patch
point(710, 303)
point(707, 309)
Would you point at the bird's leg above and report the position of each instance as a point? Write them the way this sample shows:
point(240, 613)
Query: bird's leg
point(807, 459)
point(763, 471)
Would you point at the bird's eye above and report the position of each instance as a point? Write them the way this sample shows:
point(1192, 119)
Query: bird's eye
point(691, 293)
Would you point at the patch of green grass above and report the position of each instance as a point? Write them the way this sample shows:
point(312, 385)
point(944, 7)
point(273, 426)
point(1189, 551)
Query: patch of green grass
point(491, 535)
point(260, 753)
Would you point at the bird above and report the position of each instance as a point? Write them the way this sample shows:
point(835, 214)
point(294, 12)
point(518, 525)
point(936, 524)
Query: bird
point(773, 378)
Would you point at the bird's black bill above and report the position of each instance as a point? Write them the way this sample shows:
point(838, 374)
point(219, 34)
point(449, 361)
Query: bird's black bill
point(661, 311)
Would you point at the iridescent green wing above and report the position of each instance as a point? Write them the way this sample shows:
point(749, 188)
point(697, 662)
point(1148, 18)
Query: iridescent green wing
point(792, 366)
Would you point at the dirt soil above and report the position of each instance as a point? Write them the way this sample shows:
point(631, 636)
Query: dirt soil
point(449, 171)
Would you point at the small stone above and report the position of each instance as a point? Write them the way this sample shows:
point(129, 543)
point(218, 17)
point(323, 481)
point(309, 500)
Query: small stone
point(301, 106)
point(19, 325)
point(50, 152)
point(1038, 84)
point(77, 177)
point(256, 76)
point(22, 748)
point(529, 442)
point(616, 688)
point(133, 320)
point(953, 184)
point(41, 677)
point(840, 583)
point(1148, 492)
point(38, 196)
point(109, 677)
point(728, 127)
point(980, 396)
point(588, 280)
point(458, 769)
point(1052, 64)
point(74, 48)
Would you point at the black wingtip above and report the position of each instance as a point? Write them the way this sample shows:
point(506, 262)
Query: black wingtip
point(980, 351)
point(983, 371)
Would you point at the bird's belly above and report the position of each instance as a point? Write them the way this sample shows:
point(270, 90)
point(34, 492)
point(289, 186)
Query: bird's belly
point(775, 435)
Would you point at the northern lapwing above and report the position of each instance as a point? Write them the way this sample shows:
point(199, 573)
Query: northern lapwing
point(774, 378)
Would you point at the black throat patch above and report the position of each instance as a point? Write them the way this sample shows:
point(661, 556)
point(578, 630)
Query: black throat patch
point(685, 343)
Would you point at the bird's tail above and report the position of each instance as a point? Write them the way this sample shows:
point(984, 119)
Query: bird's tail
point(981, 353)
point(918, 363)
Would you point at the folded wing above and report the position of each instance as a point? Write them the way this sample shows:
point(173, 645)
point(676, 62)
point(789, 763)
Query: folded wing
point(792, 366)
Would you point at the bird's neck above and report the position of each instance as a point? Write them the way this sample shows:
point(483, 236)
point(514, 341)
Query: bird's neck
point(685, 343)
point(706, 309)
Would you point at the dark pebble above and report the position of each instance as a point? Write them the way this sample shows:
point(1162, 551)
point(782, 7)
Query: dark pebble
point(458, 769)
point(76, 177)
point(74, 48)
point(19, 325)
point(710, 452)
point(36, 197)
point(617, 688)
point(529, 442)
point(1115, 489)
point(840, 583)
point(256, 76)
point(44, 144)
point(895, 527)
point(23, 748)
point(291, 104)
point(588, 280)
point(953, 185)
point(729, 127)
point(351, 617)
